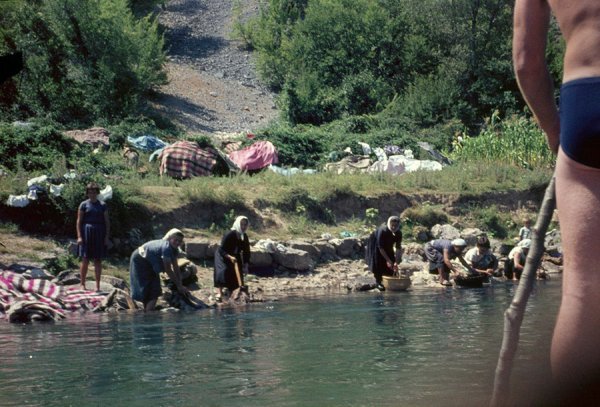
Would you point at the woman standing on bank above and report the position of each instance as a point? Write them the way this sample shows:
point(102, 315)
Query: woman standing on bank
point(234, 252)
point(93, 229)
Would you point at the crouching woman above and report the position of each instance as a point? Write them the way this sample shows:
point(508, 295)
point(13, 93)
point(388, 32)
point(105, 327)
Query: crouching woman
point(146, 264)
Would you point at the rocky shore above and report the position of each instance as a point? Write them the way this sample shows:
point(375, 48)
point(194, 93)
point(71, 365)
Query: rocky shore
point(293, 268)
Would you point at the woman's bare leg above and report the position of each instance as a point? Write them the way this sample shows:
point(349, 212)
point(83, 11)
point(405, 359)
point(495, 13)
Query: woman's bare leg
point(97, 272)
point(83, 269)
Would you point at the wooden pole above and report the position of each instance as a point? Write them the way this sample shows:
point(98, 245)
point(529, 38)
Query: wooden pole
point(513, 316)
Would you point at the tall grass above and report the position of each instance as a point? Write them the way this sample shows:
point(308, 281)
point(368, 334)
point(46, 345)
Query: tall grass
point(516, 141)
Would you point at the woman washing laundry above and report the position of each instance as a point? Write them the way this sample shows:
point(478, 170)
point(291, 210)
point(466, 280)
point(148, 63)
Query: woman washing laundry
point(232, 258)
point(146, 264)
point(381, 257)
point(439, 253)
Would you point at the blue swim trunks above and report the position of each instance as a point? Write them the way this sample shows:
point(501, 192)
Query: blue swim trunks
point(580, 120)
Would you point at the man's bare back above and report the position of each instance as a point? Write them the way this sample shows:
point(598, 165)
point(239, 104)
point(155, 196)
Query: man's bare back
point(578, 21)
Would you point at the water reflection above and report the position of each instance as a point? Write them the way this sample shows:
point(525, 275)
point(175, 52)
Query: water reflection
point(390, 315)
point(417, 348)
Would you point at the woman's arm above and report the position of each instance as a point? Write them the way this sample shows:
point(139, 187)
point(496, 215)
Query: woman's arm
point(79, 222)
point(464, 263)
point(225, 245)
point(171, 267)
point(398, 253)
point(517, 261)
point(447, 261)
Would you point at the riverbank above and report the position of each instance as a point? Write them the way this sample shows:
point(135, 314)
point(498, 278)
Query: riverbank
point(277, 269)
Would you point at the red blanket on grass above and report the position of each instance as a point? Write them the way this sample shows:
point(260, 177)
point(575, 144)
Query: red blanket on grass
point(184, 159)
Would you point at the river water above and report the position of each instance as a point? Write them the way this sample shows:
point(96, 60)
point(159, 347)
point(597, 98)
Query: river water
point(423, 347)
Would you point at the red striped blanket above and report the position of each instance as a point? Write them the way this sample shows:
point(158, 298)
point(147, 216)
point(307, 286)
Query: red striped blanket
point(184, 159)
point(23, 299)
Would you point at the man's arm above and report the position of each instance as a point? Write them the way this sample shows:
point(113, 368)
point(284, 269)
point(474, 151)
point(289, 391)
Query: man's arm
point(531, 21)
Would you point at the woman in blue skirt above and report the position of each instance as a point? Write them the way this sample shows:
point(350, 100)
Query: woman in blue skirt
point(93, 228)
point(146, 264)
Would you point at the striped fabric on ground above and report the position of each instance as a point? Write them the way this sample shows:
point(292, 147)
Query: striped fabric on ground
point(18, 292)
point(184, 159)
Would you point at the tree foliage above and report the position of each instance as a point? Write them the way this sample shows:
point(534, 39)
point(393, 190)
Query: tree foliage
point(84, 60)
point(422, 62)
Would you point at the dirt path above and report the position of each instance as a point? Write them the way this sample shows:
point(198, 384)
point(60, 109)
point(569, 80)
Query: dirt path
point(213, 85)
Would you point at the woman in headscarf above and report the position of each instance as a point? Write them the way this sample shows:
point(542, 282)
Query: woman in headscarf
point(146, 264)
point(382, 259)
point(439, 253)
point(234, 252)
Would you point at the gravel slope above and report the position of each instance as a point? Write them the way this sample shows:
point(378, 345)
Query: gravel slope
point(213, 86)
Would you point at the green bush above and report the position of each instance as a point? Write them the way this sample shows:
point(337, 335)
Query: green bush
point(299, 201)
point(34, 148)
point(301, 146)
point(492, 220)
point(425, 215)
point(83, 60)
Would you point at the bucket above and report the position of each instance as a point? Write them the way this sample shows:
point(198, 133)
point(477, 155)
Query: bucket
point(398, 283)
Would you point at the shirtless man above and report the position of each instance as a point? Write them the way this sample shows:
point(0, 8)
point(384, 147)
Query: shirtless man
point(574, 135)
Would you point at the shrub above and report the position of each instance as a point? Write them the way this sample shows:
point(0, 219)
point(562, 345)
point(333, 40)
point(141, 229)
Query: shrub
point(84, 60)
point(36, 147)
point(299, 201)
point(424, 215)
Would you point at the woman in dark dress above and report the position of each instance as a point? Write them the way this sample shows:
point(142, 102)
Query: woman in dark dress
point(382, 259)
point(233, 251)
point(93, 228)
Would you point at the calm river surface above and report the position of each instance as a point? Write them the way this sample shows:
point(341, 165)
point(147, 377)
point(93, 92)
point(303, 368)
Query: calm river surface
point(424, 347)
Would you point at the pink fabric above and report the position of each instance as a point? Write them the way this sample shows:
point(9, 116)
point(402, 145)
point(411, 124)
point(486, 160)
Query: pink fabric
point(259, 155)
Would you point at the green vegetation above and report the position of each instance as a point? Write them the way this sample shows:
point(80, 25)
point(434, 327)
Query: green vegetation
point(394, 72)
point(84, 61)
point(347, 71)
point(423, 62)
point(516, 141)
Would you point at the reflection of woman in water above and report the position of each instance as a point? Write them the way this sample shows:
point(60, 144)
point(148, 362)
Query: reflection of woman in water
point(233, 251)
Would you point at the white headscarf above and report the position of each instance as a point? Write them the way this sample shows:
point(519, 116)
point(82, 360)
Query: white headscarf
point(237, 225)
point(389, 224)
point(172, 232)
